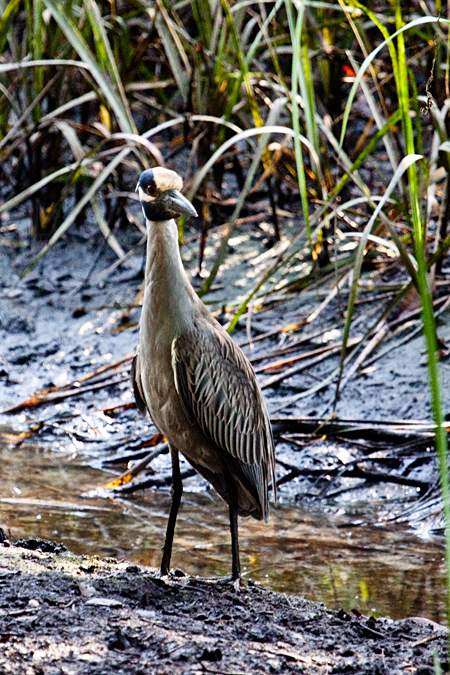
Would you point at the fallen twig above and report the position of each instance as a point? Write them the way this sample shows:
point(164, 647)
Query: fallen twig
point(125, 478)
point(153, 482)
point(352, 472)
point(96, 378)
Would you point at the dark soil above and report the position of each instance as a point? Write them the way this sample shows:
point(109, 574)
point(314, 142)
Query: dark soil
point(60, 613)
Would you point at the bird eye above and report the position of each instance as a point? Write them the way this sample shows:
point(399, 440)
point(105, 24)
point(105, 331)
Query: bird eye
point(151, 190)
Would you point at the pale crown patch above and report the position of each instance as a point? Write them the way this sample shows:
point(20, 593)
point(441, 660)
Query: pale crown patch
point(165, 179)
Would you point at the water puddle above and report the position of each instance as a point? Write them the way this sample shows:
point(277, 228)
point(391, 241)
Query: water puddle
point(381, 570)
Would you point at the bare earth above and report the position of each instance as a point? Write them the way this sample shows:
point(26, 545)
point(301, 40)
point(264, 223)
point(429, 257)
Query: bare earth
point(63, 614)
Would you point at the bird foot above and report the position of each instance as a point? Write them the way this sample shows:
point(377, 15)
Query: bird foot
point(177, 573)
point(236, 582)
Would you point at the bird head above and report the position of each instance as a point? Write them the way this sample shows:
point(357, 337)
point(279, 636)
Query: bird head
point(159, 192)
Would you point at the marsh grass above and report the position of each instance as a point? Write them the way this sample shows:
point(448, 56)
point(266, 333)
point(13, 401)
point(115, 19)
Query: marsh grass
point(346, 105)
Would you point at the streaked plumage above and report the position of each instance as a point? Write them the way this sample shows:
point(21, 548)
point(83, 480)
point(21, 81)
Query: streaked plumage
point(196, 383)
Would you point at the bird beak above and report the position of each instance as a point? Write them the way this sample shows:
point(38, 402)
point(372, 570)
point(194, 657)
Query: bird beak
point(176, 202)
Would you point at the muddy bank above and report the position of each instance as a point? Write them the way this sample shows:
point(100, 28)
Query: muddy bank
point(63, 614)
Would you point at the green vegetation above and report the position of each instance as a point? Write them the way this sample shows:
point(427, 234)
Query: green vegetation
point(356, 97)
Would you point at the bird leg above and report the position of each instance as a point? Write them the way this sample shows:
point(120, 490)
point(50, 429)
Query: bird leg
point(177, 491)
point(235, 565)
point(233, 511)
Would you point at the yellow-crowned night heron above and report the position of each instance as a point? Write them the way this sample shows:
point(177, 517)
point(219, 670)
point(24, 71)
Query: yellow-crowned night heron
point(198, 386)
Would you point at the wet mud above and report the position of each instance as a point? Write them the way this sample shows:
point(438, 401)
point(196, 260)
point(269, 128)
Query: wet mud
point(60, 614)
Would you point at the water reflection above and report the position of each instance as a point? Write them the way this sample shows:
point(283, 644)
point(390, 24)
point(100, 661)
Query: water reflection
point(372, 569)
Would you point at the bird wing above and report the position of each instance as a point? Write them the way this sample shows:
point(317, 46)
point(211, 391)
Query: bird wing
point(135, 375)
point(219, 390)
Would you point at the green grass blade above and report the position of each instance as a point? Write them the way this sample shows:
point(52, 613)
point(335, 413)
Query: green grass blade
point(201, 10)
point(8, 16)
point(90, 193)
point(21, 65)
point(30, 191)
point(296, 30)
point(243, 65)
point(174, 51)
point(287, 131)
point(80, 45)
point(370, 58)
point(109, 62)
point(404, 166)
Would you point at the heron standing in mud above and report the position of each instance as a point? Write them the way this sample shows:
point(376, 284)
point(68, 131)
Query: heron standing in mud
point(199, 388)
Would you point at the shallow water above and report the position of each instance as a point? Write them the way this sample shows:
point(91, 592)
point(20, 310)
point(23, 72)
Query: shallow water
point(382, 570)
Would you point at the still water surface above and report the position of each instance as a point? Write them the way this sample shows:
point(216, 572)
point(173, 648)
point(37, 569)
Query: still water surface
point(382, 570)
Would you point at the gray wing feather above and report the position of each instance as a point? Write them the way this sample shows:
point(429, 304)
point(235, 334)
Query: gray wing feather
point(218, 388)
point(135, 376)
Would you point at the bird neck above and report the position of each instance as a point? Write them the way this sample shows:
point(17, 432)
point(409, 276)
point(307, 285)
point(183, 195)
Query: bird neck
point(165, 278)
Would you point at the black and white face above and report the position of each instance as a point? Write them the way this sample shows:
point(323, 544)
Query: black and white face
point(159, 192)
